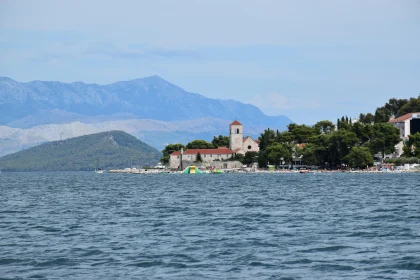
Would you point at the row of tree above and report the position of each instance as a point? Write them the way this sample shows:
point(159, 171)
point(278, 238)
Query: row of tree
point(352, 144)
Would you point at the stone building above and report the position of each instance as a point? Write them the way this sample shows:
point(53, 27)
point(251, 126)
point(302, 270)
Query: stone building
point(207, 156)
point(237, 145)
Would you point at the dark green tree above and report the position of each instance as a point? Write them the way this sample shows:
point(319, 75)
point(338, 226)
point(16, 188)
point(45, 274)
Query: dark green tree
point(384, 138)
point(324, 127)
point(250, 157)
point(277, 151)
point(412, 106)
point(359, 157)
point(339, 145)
point(266, 138)
point(412, 147)
point(284, 137)
point(262, 158)
point(382, 115)
point(301, 133)
point(220, 141)
point(169, 149)
point(199, 144)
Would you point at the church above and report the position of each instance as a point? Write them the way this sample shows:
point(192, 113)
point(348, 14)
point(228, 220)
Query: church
point(238, 144)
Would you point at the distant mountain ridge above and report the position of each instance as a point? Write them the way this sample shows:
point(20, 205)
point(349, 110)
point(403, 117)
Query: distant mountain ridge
point(151, 108)
point(146, 98)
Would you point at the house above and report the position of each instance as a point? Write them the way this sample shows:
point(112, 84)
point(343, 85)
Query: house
point(407, 124)
point(237, 145)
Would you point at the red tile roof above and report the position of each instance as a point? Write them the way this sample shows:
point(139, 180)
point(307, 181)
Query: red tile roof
point(219, 151)
point(237, 150)
point(301, 145)
point(236, 123)
point(403, 118)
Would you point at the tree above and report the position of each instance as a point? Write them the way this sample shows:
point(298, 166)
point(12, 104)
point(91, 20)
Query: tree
point(384, 138)
point(220, 141)
point(369, 119)
point(169, 149)
point(394, 106)
point(250, 157)
point(412, 147)
point(199, 144)
point(276, 151)
point(324, 127)
point(382, 115)
point(339, 145)
point(363, 132)
point(412, 106)
point(262, 158)
point(266, 138)
point(284, 137)
point(301, 133)
point(238, 157)
point(359, 157)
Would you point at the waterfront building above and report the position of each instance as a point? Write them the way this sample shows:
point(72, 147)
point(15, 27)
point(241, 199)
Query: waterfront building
point(237, 145)
point(407, 124)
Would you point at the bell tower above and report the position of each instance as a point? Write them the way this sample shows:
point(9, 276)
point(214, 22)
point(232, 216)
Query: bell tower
point(235, 135)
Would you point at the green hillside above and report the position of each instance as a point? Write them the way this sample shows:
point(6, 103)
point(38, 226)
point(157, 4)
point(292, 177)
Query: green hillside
point(113, 149)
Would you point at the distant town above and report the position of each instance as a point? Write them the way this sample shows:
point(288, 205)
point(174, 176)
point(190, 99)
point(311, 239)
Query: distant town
point(384, 141)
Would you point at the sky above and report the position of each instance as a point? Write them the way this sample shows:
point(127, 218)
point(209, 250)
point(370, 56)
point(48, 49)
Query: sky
point(308, 60)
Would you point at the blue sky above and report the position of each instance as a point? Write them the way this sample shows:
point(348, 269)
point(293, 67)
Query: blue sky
point(309, 60)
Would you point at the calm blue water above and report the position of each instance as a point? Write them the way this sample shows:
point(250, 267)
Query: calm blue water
point(229, 226)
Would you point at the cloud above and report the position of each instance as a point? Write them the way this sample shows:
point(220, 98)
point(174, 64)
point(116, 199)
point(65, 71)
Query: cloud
point(277, 101)
point(108, 49)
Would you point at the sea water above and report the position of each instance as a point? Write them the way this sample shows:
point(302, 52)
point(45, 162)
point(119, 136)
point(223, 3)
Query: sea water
point(226, 226)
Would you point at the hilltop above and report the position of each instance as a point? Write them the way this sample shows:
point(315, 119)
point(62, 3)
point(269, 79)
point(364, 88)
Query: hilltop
point(114, 149)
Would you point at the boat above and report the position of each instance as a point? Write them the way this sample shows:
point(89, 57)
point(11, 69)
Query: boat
point(98, 170)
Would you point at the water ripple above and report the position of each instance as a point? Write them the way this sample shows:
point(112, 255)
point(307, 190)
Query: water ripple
point(233, 226)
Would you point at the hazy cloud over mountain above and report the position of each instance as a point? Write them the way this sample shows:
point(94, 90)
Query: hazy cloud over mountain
point(328, 51)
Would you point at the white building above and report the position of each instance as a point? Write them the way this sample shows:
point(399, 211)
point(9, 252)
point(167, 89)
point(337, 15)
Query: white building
point(407, 124)
point(237, 145)
point(207, 156)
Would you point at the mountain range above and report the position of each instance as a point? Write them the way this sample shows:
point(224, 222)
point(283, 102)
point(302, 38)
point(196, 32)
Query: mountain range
point(151, 108)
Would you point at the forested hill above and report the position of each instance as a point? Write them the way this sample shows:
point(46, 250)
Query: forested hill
point(113, 149)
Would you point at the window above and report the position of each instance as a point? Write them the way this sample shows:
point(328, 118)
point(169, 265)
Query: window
point(249, 147)
point(237, 131)
point(177, 156)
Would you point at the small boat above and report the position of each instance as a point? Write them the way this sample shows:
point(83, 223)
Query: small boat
point(98, 170)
